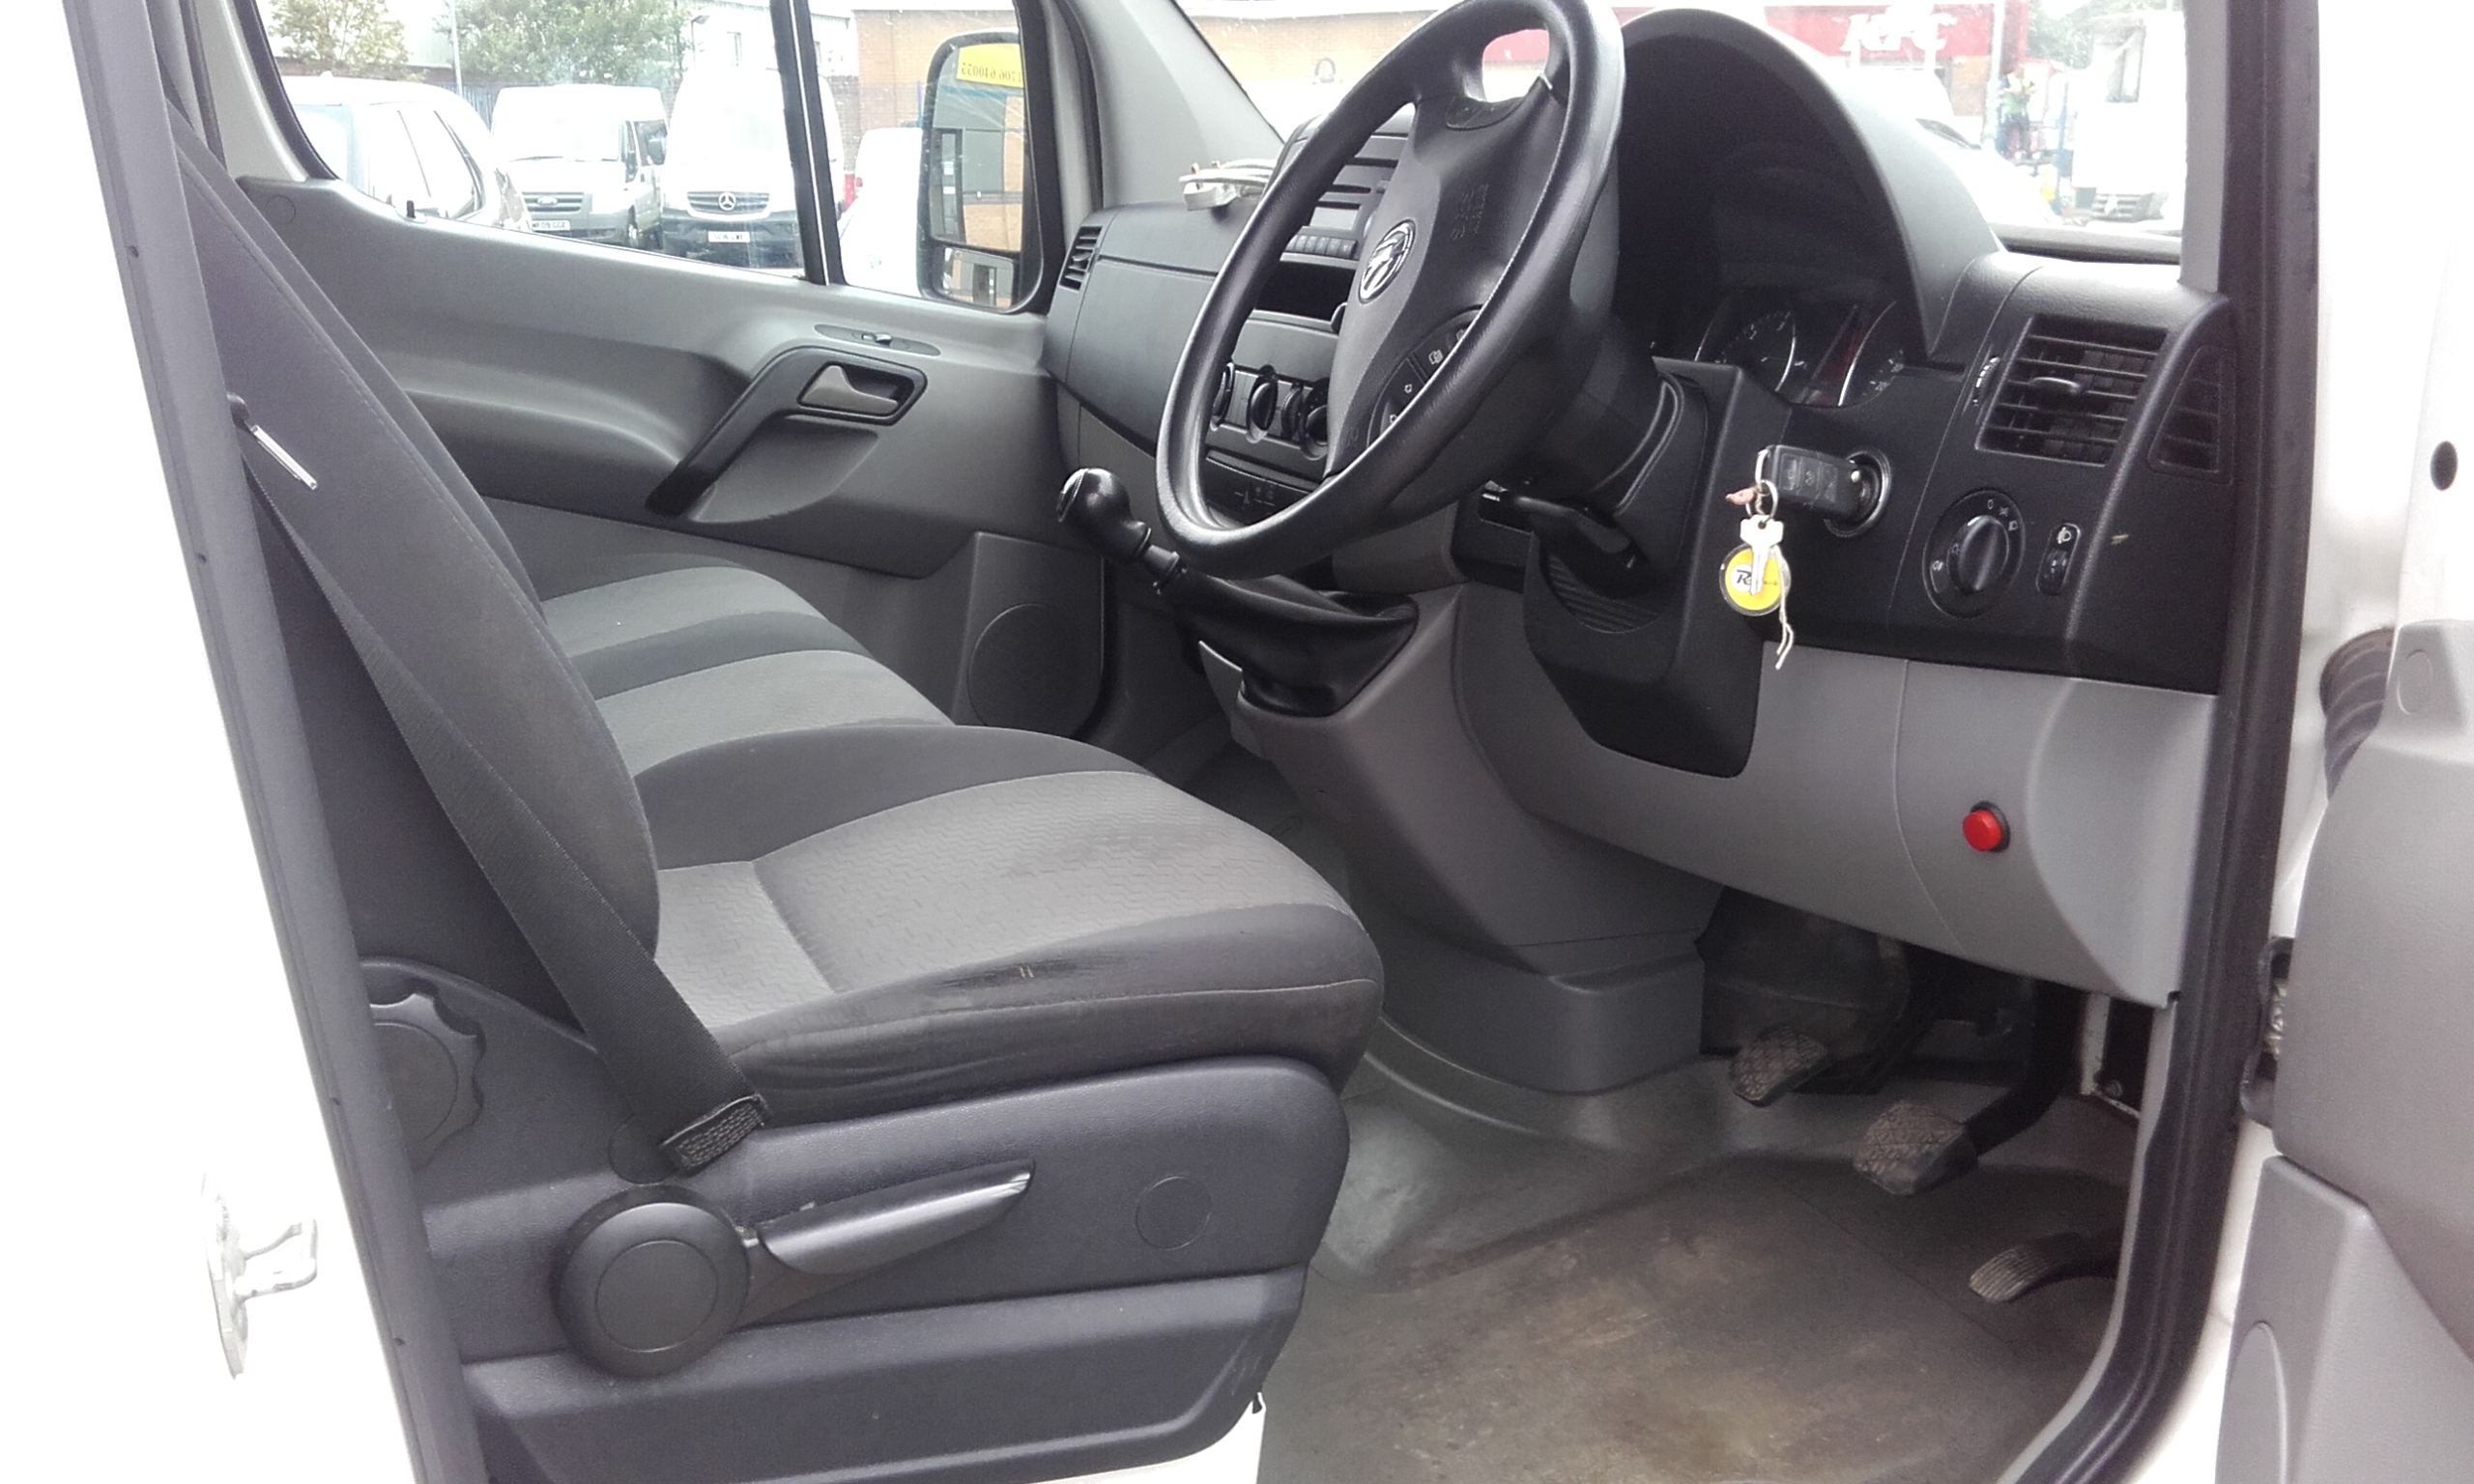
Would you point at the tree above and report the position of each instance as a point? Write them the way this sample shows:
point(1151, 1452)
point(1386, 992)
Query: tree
point(353, 38)
point(517, 41)
point(2065, 33)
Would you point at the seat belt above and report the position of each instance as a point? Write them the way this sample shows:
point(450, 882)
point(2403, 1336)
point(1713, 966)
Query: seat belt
point(676, 1079)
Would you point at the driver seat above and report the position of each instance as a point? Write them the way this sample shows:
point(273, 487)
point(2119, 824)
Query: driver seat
point(874, 915)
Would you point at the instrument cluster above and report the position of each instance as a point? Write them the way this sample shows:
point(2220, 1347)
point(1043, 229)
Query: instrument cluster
point(1815, 349)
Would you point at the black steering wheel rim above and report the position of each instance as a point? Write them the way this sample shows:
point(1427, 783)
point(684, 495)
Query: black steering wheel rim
point(1431, 68)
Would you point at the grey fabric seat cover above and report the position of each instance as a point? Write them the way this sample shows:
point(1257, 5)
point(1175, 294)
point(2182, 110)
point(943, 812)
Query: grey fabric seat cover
point(683, 652)
point(867, 915)
point(867, 921)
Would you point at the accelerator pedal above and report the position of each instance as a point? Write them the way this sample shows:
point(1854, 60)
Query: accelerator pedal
point(2021, 1271)
point(1774, 1064)
point(1910, 1148)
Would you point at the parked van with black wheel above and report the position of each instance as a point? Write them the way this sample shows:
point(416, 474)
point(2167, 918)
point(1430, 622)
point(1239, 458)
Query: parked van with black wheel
point(587, 158)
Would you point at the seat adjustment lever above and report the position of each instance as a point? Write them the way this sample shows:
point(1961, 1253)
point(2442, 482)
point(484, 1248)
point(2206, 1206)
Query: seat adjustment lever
point(653, 1277)
point(795, 1257)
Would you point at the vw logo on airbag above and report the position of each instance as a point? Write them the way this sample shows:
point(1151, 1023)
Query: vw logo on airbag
point(1389, 255)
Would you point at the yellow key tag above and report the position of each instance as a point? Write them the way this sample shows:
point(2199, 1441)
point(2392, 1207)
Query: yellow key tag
point(1754, 577)
point(1751, 586)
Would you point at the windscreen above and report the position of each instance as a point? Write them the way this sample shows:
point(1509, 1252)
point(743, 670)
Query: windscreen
point(2055, 114)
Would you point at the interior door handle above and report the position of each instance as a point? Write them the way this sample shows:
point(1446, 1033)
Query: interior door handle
point(834, 390)
point(806, 381)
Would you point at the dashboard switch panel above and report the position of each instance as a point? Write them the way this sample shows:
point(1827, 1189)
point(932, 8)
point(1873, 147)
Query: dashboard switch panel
point(2061, 549)
point(1973, 552)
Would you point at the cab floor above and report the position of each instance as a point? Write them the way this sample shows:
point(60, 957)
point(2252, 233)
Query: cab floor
point(1660, 1284)
point(1764, 1317)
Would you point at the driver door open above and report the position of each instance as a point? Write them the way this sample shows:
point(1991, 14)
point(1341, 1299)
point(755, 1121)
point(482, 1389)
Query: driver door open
point(2354, 1350)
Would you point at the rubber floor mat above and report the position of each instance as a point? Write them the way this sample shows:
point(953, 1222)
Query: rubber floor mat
point(1764, 1320)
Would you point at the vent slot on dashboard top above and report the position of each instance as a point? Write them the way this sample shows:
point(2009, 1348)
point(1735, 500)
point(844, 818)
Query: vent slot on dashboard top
point(1078, 258)
point(2191, 440)
point(2070, 389)
point(1337, 225)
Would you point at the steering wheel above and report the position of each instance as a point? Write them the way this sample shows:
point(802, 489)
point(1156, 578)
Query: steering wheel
point(1467, 262)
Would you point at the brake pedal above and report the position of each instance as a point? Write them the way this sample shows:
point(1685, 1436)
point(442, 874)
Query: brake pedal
point(1774, 1064)
point(2022, 1269)
point(1910, 1148)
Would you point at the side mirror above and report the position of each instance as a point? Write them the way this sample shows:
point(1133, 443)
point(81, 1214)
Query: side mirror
point(657, 146)
point(973, 168)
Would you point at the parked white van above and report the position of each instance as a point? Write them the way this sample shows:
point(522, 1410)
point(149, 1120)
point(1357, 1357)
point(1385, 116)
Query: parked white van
point(587, 156)
point(725, 191)
point(420, 148)
point(2127, 132)
point(880, 226)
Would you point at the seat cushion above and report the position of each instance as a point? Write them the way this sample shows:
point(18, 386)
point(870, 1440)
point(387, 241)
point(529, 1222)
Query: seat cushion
point(949, 913)
point(687, 653)
point(657, 622)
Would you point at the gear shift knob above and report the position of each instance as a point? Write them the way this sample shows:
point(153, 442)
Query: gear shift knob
point(1095, 505)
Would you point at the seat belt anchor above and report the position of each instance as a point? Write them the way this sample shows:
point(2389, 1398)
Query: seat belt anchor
point(241, 419)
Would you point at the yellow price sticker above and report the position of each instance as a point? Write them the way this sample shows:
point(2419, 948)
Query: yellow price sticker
point(990, 64)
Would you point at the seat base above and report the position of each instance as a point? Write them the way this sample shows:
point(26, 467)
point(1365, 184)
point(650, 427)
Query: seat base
point(1057, 1385)
point(1180, 1173)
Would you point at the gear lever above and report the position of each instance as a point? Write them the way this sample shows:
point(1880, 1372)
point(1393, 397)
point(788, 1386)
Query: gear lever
point(1095, 506)
point(1302, 652)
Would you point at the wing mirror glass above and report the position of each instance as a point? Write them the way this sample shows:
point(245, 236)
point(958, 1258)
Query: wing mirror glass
point(973, 170)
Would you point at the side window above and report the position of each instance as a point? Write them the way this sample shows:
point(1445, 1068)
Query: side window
point(660, 126)
point(566, 113)
point(934, 106)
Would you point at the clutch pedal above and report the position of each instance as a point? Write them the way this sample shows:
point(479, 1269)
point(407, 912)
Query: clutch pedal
point(1774, 1064)
point(1910, 1148)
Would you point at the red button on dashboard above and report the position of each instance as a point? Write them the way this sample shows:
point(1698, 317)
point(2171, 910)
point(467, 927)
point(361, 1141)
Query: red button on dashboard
point(1985, 829)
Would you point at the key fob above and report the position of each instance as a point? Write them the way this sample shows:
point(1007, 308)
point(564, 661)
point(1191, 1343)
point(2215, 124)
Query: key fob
point(1843, 490)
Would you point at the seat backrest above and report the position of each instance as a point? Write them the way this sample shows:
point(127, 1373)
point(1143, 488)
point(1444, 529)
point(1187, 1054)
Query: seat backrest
point(503, 729)
point(445, 598)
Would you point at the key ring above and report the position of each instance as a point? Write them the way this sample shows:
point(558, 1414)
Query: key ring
point(1765, 489)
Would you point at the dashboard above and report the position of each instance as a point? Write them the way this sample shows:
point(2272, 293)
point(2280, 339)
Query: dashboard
point(2034, 612)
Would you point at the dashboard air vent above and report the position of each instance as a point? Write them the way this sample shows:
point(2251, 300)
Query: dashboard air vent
point(2070, 388)
point(2192, 438)
point(1340, 213)
point(1080, 257)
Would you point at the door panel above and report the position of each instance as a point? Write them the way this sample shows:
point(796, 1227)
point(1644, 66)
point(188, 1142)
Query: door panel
point(2357, 1315)
point(2342, 1372)
point(575, 380)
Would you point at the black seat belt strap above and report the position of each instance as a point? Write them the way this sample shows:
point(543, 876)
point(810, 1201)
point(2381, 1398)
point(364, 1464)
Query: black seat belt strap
point(676, 1081)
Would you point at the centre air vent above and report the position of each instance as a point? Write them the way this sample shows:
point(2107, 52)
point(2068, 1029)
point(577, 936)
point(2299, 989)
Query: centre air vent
point(2070, 389)
point(1080, 257)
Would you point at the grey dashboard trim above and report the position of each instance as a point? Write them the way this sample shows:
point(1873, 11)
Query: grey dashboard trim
point(1862, 768)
